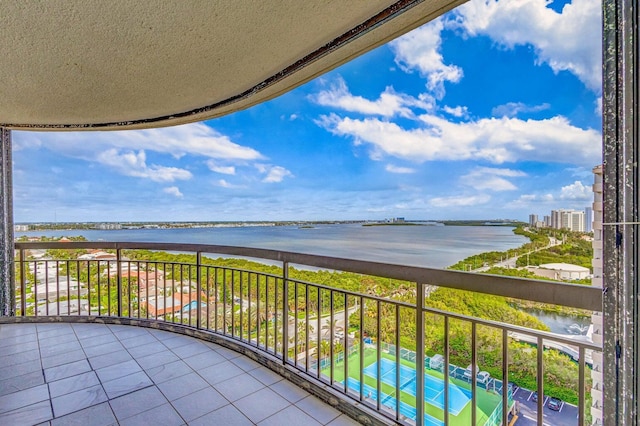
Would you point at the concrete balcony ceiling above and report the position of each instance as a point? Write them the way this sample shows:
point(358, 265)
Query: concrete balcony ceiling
point(94, 65)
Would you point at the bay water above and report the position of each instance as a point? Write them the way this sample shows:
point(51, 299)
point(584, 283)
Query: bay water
point(425, 246)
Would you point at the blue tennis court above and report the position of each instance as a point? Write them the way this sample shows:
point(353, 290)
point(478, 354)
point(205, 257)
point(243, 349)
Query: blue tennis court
point(433, 386)
point(389, 401)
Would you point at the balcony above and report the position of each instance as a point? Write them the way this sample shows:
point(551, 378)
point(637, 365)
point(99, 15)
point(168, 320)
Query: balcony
point(337, 354)
point(81, 373)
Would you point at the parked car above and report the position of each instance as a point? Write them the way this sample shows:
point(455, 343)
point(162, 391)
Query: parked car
point(534, 396)
point(554, 404)
point(468, 374)
point(483, 377)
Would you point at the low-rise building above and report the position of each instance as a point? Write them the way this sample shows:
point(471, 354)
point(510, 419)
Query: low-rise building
point(561, 271)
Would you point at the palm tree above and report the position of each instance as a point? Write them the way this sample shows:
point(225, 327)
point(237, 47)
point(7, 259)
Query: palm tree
point(329, 325)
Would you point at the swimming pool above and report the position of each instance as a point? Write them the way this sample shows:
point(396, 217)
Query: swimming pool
point(433, 386)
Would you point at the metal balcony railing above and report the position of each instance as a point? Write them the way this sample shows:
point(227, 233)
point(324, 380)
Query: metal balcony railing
point(369, 348)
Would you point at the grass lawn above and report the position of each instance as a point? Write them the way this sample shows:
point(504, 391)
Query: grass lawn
point(486, 401)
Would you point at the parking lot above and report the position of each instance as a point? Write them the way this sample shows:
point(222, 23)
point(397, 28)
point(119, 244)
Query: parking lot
point(528, 411)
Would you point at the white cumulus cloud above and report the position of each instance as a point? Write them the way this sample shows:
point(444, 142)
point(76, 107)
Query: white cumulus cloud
point(400, 170)
point(491, 179)
point(497, 140)
point(194, 139)
point(275, 174)
point(420, 50)
point(225, 170)
point(512, 109)
point(576, 191)
point(126, 151)
point(459, 111)
point(567, 41)
point(173, 190)
point(460, 201)
point(134, 164)
point(226, 184)
point(388, 104)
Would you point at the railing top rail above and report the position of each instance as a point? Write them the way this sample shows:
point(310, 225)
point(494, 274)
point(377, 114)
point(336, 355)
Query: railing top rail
point(570, 295)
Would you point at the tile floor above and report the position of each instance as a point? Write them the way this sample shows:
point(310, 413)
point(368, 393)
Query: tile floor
point(94, 374)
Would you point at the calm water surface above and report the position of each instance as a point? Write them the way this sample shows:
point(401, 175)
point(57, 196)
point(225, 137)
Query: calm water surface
point(427, 246)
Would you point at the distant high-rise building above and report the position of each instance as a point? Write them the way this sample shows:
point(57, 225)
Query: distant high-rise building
point(567, 219)
point(547, 221)
point(588, 219)
point(556, 221)
point(533, 219)
point(576, 221)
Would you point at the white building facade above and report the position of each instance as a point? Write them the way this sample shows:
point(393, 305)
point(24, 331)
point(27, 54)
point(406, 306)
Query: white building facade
point(596, 281)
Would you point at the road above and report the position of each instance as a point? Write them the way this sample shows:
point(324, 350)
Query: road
point(510, 262)
point(528, 411)
point(325, 322)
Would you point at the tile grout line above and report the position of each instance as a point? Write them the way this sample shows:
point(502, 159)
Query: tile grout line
point(44, 377)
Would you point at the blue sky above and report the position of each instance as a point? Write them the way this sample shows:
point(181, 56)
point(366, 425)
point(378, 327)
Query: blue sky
point(491, 111)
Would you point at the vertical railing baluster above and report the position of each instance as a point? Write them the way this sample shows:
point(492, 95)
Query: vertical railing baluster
point(98, 289)
point(207, 271)
point(446, 370)
point(318, 352)
point(68, 288)
point(88, 288)
point(397, 362)
point(361, 328)
point(258, 323)
point(295, 323)
point(307, 332)
point(181, 266)
point(129, 288)
point(420, 355)
point(345, 335)
point(46, 291)
point(378, 356)
point(249, 311)
point(35, 285)
point(331, 346)
point(224, 301)
point(57, 285)
point(146, 289)
point(146, 282)
point(267, 313)
point(285, 311)
point(505, 377)
point(241, 304)
point(23, 286)
point(275, 322)
point(233, 303)
point(217, 295)
point(198, 290)
point(119, 280)
point(164, 287)
point(108, 289)
point(581, 390)
point(540, 365)
point(474, 373)
point(78, 268)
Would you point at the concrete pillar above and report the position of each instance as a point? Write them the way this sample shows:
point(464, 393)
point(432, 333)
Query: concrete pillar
point(7, 283)
point(621, 193)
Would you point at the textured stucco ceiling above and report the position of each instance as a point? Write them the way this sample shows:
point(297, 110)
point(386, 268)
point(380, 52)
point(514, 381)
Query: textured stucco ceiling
point(134, 64)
